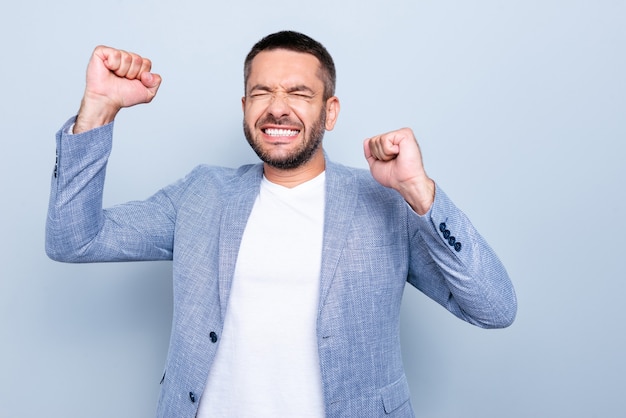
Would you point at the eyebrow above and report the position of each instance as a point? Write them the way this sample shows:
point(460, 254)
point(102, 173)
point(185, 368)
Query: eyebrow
point(300, 87)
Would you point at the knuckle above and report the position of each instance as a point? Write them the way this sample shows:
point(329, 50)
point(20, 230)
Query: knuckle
point(117, 55)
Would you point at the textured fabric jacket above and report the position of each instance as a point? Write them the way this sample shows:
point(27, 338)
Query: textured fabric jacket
point(373, 244)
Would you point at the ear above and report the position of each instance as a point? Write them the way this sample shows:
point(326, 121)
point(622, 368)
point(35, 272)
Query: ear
point(332, 112)
point(243, 103)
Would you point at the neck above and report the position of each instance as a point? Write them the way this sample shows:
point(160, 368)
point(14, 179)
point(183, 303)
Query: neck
point(296, 176)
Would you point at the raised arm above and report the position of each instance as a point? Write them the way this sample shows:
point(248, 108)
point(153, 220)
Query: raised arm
point(450, 261)
point(78, 229)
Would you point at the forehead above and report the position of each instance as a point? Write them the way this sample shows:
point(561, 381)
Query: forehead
point(280, 67)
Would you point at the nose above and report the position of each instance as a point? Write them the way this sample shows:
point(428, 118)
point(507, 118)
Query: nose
point(279, 106)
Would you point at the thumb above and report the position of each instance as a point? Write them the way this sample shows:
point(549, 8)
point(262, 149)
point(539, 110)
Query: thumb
point(151, 81)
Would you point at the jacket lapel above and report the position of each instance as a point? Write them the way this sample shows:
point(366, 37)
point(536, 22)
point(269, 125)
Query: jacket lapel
point(239, 200)
point(341, 198)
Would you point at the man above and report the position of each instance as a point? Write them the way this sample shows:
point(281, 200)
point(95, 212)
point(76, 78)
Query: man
point(288, 275)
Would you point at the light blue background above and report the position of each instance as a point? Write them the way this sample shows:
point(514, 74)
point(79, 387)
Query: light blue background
point(519, 107)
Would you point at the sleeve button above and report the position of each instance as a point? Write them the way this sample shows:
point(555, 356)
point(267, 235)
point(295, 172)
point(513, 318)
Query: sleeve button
point(457, 247)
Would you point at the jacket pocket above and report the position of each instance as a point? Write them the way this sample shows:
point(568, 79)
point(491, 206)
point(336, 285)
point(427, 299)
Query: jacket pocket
point(395, 395)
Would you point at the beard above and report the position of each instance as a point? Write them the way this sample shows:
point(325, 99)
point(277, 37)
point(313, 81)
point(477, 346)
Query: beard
point(298, 157)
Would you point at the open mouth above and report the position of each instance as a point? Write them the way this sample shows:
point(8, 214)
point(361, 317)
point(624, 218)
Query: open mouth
point(280, 133)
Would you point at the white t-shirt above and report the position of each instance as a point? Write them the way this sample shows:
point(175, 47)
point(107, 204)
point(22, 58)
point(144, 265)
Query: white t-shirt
point(267, 363)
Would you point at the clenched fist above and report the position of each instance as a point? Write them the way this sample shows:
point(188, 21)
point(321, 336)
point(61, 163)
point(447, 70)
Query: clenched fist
point(115, 79)
point(395, 161)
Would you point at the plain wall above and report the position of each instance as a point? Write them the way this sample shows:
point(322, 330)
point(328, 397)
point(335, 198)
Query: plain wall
point(519, 107)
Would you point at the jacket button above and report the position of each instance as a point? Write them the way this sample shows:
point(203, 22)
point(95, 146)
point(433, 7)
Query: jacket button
point(213, 337)
point(192, 397)
point(457, 247)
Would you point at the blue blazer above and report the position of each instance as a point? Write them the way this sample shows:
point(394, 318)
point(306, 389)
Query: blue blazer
point(373, 244)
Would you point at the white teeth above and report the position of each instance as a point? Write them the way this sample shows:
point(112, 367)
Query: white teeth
point(281, 132)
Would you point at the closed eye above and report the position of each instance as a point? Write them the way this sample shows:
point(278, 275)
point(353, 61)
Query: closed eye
point(301, 92)
point(260, 95)
point(302, 96)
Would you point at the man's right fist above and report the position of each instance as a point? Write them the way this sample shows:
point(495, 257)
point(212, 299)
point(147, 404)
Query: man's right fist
point(115, 79)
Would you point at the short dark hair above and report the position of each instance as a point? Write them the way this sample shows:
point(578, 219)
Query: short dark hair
point(297, 42)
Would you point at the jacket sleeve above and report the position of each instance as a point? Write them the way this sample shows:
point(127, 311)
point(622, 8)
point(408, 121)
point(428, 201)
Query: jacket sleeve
point(77, 227)
point(453, 264)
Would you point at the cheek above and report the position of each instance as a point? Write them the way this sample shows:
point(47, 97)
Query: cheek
point(250, 117)
point(304, 115)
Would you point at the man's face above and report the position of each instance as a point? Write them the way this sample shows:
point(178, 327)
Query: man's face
point(285, 114)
